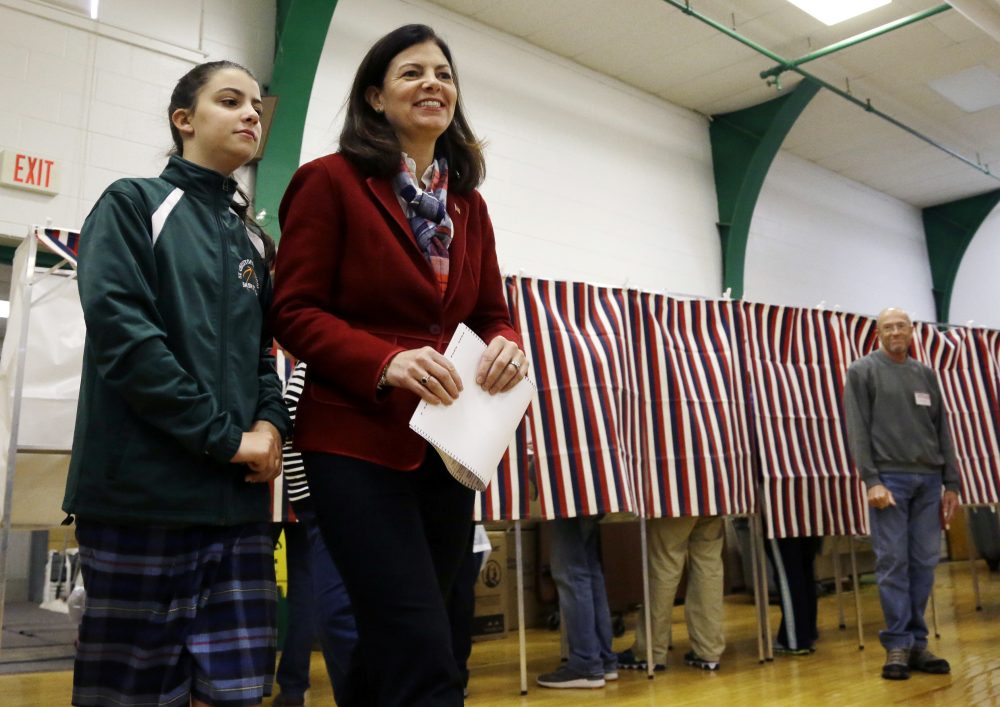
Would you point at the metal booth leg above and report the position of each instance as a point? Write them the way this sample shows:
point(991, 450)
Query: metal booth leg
point(857, 592)
point(756, 572)
point(838, 578)
point(937, 634)
point(521, 635)
point(647, 616)
point(973, 556)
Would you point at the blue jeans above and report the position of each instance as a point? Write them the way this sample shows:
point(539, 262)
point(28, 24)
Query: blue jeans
point(317, 603)
point(907, 543)
point(583, 599)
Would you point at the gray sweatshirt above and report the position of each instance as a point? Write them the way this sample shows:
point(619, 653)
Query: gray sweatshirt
point(896, 420)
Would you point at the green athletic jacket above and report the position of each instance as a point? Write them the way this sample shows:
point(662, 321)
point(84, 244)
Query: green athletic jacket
point(175, 367)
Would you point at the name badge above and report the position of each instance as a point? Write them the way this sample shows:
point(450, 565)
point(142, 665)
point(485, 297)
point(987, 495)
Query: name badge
point(923, 399)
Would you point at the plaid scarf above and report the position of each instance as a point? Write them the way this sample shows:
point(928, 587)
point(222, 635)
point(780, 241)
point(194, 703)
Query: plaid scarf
point(428, 216)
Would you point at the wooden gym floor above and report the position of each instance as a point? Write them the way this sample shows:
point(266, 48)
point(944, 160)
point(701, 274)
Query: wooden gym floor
point(837, 674)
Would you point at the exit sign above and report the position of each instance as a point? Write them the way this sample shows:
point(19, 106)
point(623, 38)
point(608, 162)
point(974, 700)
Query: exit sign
point(32, 172)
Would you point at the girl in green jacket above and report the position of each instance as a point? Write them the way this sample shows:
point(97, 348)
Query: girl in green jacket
point(180, 420)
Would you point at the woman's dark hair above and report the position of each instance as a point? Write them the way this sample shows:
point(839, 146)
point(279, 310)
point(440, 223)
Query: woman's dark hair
point(368, 140)
point(185, 96)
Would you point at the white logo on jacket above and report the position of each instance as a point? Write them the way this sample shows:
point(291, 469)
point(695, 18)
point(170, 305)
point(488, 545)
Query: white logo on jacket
point(248, 276)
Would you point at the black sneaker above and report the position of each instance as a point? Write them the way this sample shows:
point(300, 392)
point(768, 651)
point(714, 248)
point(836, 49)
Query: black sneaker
point(629, 661)
point(926, 662)
point(696, 661)
point(897, 664)
point(563, 677)
point(785, 650)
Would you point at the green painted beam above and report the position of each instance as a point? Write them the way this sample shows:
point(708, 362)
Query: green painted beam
point(949, 228)
point(855, 40)
point(866, 105)
point(301, 27)
point(744, 144)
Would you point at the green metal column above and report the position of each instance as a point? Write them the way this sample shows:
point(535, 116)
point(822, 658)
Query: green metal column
point(302, 26)
point(744, 144)
point(949, 228)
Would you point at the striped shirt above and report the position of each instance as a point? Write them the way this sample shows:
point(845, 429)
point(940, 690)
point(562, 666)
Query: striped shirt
point(296, 485)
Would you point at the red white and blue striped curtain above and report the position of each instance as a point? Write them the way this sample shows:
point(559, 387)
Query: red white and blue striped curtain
point(694, 438)
point(797, 359)
point(506, 498)
point(575, 336)
point(986, 489)
point(960, 356)
point(61, 241)
point(644, 405)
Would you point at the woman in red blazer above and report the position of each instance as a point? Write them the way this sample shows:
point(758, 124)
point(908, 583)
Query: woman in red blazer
point(386, 247)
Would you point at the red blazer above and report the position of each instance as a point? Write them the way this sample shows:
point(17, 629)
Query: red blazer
point(352, 289)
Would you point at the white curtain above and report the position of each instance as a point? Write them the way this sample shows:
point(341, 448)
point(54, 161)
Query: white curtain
point(54, 356)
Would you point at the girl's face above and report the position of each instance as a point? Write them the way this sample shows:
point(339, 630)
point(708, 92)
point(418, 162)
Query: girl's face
point(418, 95)
point(222, 131)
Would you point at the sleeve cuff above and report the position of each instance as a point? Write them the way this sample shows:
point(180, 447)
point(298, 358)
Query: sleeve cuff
point(871, 478)
point(226, 449)
point(281, 421)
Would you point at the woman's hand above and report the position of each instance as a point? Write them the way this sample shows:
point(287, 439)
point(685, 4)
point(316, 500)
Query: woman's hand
point(502, 366)
point(260, 449)
point(427, 373)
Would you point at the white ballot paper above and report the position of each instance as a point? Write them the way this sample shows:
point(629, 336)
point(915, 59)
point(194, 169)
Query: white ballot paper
point(472, 433)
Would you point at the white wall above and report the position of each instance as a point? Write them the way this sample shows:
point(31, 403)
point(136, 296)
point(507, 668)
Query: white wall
point(816, 236)
point(94, 95)
point(975, 295)
point(587, 179)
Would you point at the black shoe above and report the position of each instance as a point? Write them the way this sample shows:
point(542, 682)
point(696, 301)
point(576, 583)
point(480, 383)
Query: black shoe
point(696, 661)
point(563, 677)
point(784, 650)
point(897, 664)
point(628, 661)
point(926, 662)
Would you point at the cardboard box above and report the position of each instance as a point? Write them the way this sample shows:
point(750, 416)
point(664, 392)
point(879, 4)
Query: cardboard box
point(863, 553)
point(490, 617)
point(533, 615)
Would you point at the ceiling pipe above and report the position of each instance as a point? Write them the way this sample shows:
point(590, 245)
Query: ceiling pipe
point(852, 41)
point(984, 14)
point(685, 7)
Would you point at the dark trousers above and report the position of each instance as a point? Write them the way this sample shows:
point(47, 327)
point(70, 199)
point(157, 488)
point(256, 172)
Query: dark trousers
point(293, 668)
point(318, 606)
point(397, 538)
point(794, 569)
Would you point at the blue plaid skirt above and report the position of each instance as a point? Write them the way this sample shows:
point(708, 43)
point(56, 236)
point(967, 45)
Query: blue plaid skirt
point(174, 614)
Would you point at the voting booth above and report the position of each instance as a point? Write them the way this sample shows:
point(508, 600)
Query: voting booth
point(39, 384)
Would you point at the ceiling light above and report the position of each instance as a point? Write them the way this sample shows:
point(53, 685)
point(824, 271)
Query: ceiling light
point(830, 12)
point(971, 90)
point(93, 8)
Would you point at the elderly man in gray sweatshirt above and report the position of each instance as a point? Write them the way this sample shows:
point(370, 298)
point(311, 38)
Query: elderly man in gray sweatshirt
point(899, 438)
